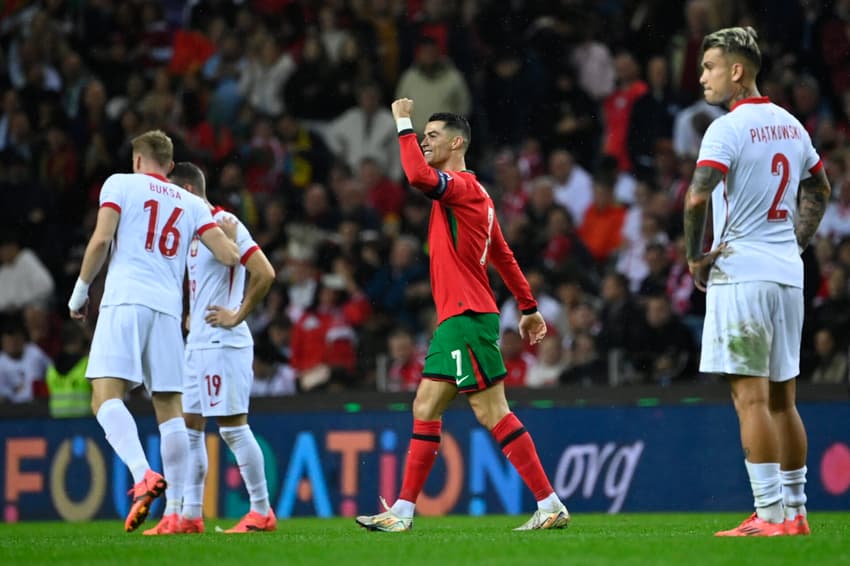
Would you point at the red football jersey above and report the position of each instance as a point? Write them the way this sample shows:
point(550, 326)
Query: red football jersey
point(463, 237)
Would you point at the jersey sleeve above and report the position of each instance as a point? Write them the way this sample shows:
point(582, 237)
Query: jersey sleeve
point(203, 217)
point(111, 194)
point(247, 245)
point(505, 263)
point(719, 146)
point(811, 160)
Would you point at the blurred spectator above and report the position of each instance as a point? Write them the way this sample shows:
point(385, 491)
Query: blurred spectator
point(807, 104)
point(74, 78)
point(273, 377)
point(383, 195)
point(406, 362)
point(652, 117)
point(617, 109)
point(435, 83)
point(593, 61)
point(689, 126)
point(585, 366)
point(573, 184)
point(549, 307)
point(835, 224)
point(223, 70)
point(231, 193)
point(664, 351)
point(309, 92)
point(264, 75)
point(399, 288)
point(832, 362)
point(301, 278)
point(307, 158)
point(835, 40)
point(324, 341)
point(517, 359)
point(619, 315)
point(834, 311)
point(23, 366)
point(658, 265)
point(685, 49)
point(568, 118)
point(44, 328)
point(601, 228)
point(631, 259)
point(509, 189)
point(564, 251)
point(550, 364)
point(512, 89)
point(24, 280)
point(367, 130)
point(271, 232)
point(11, 105)
point(68, 388)
point(685, 300)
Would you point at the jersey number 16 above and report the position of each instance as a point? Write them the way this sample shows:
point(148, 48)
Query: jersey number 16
point(169, 237)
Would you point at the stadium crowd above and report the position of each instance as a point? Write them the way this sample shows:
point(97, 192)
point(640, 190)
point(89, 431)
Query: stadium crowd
point(588, 117)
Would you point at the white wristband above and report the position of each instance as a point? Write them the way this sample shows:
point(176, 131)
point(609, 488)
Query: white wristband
point(404, 124)
point(79, 295)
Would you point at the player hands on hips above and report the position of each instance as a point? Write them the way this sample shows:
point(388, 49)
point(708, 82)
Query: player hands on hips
point(755, 164)
point(464, 236)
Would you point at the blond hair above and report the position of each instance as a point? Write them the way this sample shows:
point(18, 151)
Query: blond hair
point(154, 145)
point(741, 41)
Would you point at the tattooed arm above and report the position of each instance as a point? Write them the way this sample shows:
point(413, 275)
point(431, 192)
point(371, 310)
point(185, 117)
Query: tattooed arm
point(704, 181)
point(814, 196)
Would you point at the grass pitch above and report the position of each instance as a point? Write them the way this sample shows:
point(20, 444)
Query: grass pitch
point(590, 539)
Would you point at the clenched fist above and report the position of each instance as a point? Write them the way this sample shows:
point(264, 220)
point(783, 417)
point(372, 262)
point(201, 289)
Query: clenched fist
point(402, 108)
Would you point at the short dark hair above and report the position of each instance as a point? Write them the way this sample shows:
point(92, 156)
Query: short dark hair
point(741, 41)
point(454, 122)
point(186, 172)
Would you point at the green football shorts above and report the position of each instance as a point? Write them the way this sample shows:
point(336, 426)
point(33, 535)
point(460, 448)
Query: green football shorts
point(465, 350)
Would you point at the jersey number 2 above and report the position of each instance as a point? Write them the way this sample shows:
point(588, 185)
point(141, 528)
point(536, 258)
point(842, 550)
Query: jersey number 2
point(776, 214)
point(167, 246)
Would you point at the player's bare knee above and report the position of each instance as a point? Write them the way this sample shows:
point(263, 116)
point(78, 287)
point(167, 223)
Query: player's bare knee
point(425, 409)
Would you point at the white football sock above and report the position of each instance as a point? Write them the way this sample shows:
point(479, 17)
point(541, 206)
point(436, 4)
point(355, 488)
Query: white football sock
point(193, 493)
point(403, 508)
point(174, 447)
point(767, 491)
point(550, 504)
point(249, 458)
point(794, 491)
point(122, 434)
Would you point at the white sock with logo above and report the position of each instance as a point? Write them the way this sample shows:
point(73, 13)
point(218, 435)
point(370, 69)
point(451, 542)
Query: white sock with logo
point(249, 458)
point(193, 493)
point(794, 492)
point(767, 491)
point(174, 448)
point(123, 435)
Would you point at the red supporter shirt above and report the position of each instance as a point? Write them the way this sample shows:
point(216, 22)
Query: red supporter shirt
point(463, 237)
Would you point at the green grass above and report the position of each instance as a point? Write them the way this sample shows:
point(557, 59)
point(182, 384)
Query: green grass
point(444, 541)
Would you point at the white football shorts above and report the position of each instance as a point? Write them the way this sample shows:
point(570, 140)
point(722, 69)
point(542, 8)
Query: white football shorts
point(140, 345)
point(753, 328)
point(218, 381)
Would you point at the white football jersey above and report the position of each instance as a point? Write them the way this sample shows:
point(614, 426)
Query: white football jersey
point(764, 152)
point(213, 283)
point(158, 221)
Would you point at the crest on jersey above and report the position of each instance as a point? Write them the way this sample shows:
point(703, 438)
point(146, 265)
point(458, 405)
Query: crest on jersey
point(193, 247)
